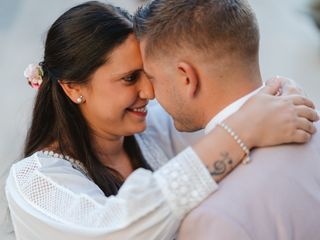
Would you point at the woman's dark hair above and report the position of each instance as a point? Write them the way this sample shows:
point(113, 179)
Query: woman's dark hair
point(77, 44)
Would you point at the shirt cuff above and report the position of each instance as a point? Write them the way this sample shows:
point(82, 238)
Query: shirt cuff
point(185, 182)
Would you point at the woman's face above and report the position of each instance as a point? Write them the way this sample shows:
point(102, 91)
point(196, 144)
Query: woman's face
point(118, 92)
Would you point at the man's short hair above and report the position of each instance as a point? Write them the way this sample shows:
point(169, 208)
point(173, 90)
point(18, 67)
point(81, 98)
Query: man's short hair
point(211, 26)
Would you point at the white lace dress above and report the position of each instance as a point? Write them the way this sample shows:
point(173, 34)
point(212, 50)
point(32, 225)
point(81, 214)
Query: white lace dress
point(51, 198)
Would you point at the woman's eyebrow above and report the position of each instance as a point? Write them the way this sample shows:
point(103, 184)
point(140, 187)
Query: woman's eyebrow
point(128, 73)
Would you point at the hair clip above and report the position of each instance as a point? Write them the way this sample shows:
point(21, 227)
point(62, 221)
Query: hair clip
point(34, 74)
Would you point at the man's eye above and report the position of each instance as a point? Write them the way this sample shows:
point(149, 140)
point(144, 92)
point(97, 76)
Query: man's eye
point(132, 77)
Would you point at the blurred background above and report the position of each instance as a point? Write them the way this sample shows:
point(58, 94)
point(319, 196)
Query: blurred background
point(290, 47)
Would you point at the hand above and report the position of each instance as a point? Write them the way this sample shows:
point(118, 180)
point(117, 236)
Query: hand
point(287, 86)
point(266, 120)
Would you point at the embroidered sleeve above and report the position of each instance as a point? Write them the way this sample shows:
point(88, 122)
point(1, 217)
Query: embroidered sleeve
point(148, 204)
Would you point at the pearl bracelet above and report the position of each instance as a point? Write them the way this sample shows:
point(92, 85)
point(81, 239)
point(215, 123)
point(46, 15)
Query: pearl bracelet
point(242, 145)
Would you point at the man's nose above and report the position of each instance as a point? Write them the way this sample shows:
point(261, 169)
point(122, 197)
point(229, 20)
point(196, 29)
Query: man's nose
point(146, 88)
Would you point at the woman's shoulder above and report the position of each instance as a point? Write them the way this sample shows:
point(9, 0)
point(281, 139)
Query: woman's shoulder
point(41, 171)
point(25, 169)
point(40, 162)
point(44, 160)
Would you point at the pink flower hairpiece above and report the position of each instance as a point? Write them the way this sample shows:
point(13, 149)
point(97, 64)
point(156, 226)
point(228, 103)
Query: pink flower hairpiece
point(34, 74)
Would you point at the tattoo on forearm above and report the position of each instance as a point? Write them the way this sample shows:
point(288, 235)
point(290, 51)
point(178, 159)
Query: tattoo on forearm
point(222, 165)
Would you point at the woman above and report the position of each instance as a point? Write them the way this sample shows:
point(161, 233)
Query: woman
point(87, 173)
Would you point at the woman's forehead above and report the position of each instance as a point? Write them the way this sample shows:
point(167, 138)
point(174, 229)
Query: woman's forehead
point(126, 57)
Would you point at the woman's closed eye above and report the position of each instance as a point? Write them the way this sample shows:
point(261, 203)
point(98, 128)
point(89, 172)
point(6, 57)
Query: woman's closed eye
point(133, 77)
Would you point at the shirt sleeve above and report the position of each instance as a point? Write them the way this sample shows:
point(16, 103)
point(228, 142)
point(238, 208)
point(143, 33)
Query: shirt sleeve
point(149, 205)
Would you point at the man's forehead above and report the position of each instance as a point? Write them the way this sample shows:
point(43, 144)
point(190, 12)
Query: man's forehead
point(147, 67)
point(148, 74)
point(142, 44)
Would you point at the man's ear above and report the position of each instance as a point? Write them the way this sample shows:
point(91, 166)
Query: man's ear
point(190, 78)
point(72, 90)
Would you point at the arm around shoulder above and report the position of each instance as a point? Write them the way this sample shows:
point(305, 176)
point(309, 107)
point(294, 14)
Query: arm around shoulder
point(148, 205)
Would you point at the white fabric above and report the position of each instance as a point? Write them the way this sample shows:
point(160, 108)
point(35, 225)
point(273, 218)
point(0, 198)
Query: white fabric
point(229, 110)
point(49, 199)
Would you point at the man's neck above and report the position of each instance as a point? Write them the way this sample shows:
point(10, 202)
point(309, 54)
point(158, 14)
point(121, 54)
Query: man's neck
point(217, 102)
point(223, 80)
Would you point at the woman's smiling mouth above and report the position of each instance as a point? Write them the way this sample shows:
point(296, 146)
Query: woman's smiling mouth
point(139, 111)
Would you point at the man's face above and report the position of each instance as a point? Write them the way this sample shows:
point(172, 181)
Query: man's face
point(169, 91)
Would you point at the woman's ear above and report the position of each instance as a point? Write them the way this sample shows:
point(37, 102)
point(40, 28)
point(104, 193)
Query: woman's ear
point(189, 77)
point(72, 90)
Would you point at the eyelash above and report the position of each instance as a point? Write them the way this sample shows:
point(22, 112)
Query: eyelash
point(132, 78)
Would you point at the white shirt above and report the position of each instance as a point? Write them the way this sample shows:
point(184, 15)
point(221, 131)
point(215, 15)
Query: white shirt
point(51, 199)
point(229, 110)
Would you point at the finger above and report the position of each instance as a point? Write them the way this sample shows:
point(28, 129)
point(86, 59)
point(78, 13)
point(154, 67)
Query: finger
point(301, 136)
point(300, 100)
point(273, 81)
point(289, 86)
point(308, 113)
point(291, 90)
point(272, 88)
point(305, 125)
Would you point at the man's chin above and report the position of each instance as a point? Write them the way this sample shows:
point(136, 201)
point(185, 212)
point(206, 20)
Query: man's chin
point(183, 127)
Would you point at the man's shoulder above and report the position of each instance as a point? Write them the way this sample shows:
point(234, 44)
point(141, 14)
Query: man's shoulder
point(277, 190)
point(288, 157)
point(278, 167)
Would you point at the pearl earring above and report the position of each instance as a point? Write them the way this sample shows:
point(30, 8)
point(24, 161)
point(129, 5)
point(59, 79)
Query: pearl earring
point(80, 100)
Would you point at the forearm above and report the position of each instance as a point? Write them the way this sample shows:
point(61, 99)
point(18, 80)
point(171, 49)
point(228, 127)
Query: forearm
point(219, 152)
point(262, 121)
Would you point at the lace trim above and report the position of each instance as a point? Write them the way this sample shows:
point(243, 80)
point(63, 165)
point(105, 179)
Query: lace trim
point(75, 163)
point(185, 181)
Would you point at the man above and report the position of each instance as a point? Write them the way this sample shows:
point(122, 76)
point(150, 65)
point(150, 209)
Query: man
point(202, 57)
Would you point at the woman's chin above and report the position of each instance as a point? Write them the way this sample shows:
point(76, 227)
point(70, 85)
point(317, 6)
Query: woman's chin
point(137, 129)
point(142, 129)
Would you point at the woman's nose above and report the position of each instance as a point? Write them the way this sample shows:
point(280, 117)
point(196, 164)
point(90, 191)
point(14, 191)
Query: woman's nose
point(146, 88)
